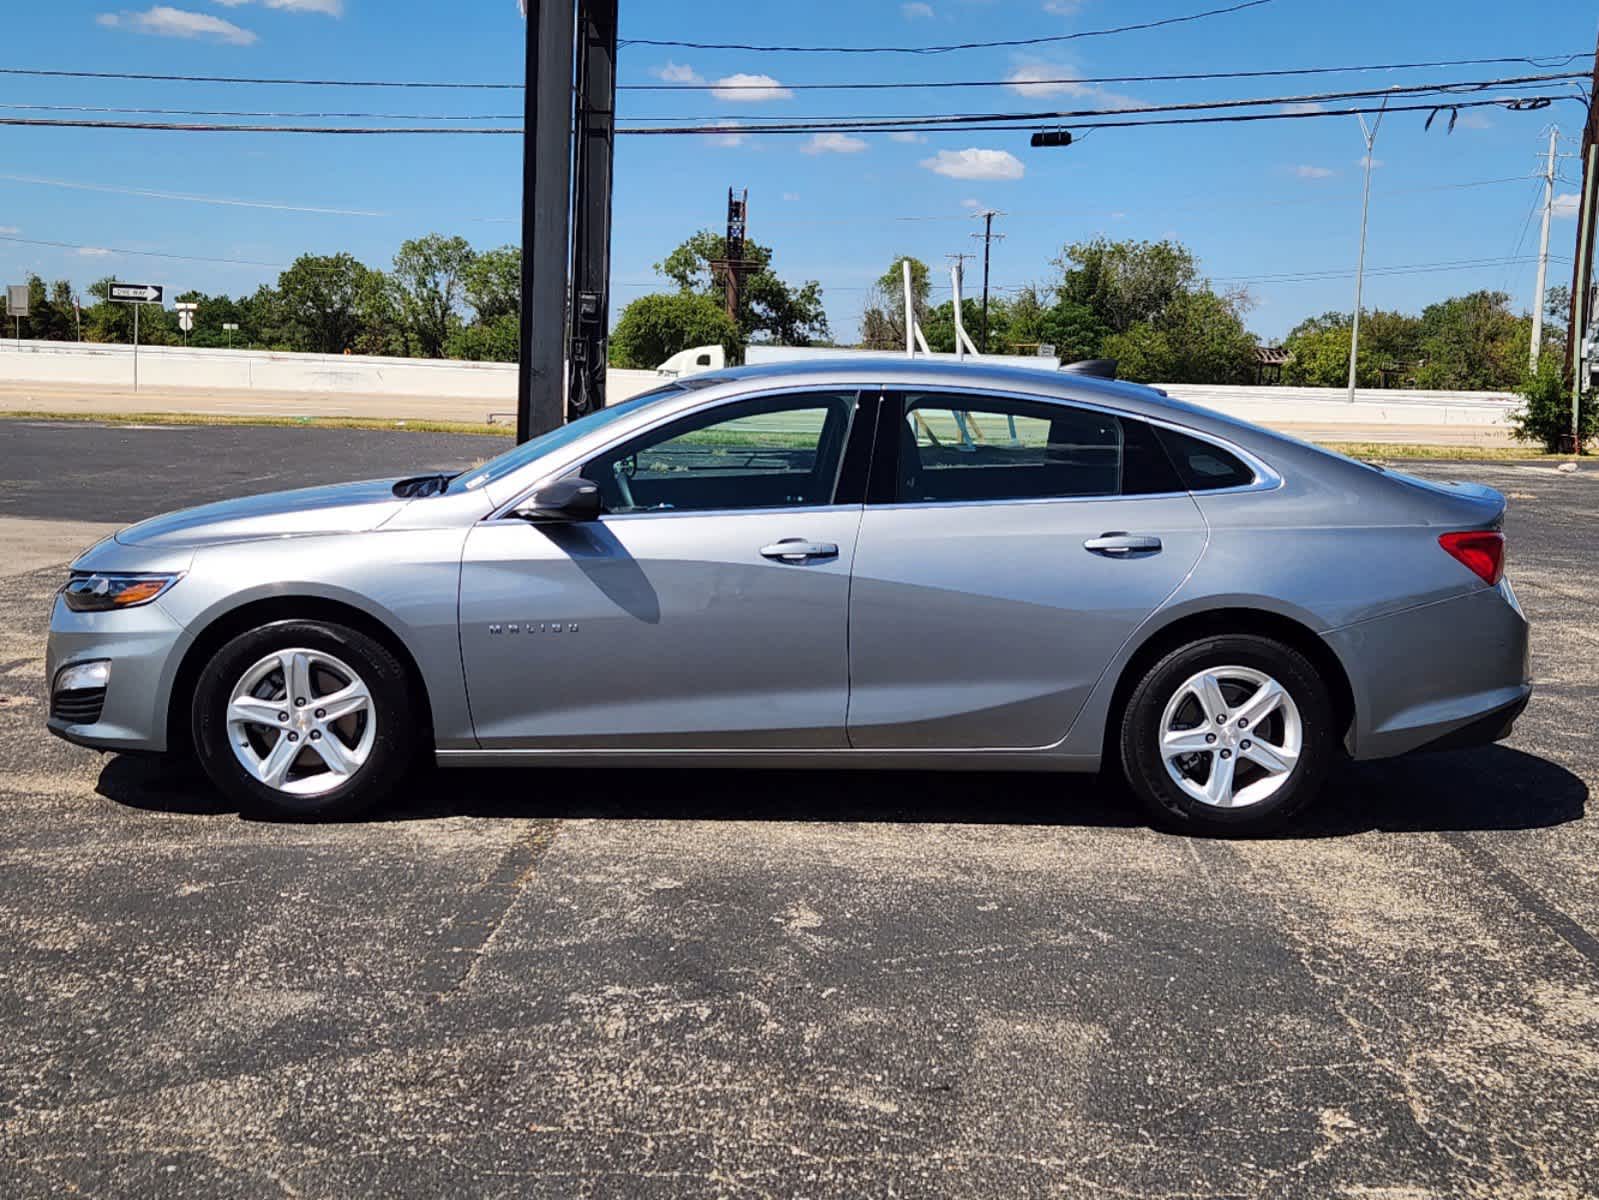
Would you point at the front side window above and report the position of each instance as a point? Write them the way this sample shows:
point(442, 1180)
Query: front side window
point(773, 452)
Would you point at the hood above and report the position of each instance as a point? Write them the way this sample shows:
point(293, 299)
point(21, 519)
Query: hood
point(339, 508)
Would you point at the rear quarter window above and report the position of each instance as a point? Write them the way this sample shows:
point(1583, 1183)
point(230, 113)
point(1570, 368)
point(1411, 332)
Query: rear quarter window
point(1204, 466)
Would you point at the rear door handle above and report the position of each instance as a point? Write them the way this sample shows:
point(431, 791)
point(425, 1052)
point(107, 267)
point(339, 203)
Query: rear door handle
point(1122, 545)
point(798, 550)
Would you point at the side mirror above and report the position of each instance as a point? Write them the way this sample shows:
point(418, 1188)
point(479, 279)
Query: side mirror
point(571, 499)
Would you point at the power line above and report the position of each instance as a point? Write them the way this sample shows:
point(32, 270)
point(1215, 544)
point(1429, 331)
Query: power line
point(224, 201)
point(1010, 43)
point(1517, 104)
point(908, 125)
point(1449, 88)
point(1541, 62)
point(110, 250)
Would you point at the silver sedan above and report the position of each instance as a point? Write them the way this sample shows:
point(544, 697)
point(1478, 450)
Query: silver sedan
point(872, 564)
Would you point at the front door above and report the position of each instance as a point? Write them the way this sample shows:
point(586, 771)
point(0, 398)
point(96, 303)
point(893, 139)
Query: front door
point(1020, 544)
point(706, 609)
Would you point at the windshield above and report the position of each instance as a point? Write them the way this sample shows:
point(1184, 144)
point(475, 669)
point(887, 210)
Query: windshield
point(511, 460)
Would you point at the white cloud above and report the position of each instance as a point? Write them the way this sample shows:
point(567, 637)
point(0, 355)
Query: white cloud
point(973, 163)
point(92, 252)
point(9, 231)
point(791, 195)
point(331, 8)
point(833, 143)
point(1063, 8)
point(162, 21)
point(1043, 80)
point(1304, 171)
point(1302, 107)
point(901, 135)
point(728, 140)
point(1472, 119)
point(1376, 164)
point(970, 203)
point(676, 73)
point(750, 87)
point(916, 11)
point(1567, 204)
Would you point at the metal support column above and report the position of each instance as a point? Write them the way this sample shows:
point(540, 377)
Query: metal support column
point(546, 207)
point(593, 154)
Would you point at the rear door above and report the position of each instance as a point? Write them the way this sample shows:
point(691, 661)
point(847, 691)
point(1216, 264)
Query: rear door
point(706, 609)
point(1009, 548)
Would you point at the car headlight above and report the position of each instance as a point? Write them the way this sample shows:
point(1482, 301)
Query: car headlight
point(103, 591)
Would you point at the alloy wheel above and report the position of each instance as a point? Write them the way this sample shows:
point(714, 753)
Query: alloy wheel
point(301, 722)
point(1231, 736)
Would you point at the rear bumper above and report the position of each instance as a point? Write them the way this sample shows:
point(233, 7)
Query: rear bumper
point(1437, 676)
point(1491, 727)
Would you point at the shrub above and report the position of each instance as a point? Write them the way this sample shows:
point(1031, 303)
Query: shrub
point(1546, 418)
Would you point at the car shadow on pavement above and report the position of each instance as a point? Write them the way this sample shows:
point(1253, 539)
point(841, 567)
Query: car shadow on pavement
point(1491, 788)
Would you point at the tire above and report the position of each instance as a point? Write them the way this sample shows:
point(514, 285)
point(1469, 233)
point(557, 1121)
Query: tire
point(347, 755)
point(1177, 731)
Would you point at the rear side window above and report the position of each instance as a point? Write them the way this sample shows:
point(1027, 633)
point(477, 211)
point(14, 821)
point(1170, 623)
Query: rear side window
point(1202, 466)
point(965, 448)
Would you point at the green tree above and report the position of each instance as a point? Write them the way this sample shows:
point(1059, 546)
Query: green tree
point(498, 340)
point(883, 321)
point(493, 281)
point(655, 327)
point(317, 302)
point(769, 309)
point(430, 275)
point(1473, 343)
point(1126, 283)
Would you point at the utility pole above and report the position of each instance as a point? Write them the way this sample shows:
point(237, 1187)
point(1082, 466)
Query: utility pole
point(734, 266)
point(1543, 251)
point(989, 237)
point(1582, 274)
point(546, 209)
point(1370, 136)
point(593, 155)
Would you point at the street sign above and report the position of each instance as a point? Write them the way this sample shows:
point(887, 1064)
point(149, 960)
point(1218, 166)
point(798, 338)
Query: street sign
point(135, 293)
point(185, 306)
point(229, 326)
point(186, 320)
point(17, 299)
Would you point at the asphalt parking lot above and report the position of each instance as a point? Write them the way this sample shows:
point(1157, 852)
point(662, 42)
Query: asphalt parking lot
point(735, 984)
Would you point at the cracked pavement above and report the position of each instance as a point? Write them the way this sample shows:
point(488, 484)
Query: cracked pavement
point(564, 983)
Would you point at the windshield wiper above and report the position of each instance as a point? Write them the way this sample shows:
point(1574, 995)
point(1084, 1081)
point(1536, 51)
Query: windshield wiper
point(419, 486)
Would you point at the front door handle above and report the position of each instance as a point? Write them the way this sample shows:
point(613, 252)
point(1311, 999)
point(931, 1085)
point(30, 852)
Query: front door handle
point(1122, 545)
point(798, 550)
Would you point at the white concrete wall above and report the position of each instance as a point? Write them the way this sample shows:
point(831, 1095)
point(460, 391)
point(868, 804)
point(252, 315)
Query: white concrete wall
point(168, 368)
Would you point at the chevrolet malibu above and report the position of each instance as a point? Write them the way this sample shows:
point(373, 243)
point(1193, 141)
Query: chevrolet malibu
point(871, 564)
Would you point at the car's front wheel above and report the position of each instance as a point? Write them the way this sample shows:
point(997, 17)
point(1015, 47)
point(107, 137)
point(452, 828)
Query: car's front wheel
point(1231, 734)
point(304, 719)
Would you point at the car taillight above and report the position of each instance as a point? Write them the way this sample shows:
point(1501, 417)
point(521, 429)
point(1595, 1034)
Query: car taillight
point(1481, 550)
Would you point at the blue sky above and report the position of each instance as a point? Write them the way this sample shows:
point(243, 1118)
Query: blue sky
point(1252, 200)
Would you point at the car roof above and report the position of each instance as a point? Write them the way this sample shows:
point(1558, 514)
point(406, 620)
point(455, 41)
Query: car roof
point(893, 370)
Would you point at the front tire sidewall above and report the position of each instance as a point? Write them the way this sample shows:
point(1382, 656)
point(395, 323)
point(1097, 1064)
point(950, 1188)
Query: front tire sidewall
point(1174, 809)
point(393, 743)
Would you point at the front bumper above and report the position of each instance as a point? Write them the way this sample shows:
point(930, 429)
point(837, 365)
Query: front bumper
point(1440, 675)
point(144, 646)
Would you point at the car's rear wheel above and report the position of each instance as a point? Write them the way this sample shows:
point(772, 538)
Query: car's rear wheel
point(1232, 734)
point(304, 719)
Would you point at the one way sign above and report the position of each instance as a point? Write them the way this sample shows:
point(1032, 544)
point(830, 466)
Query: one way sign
point(135, 293)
